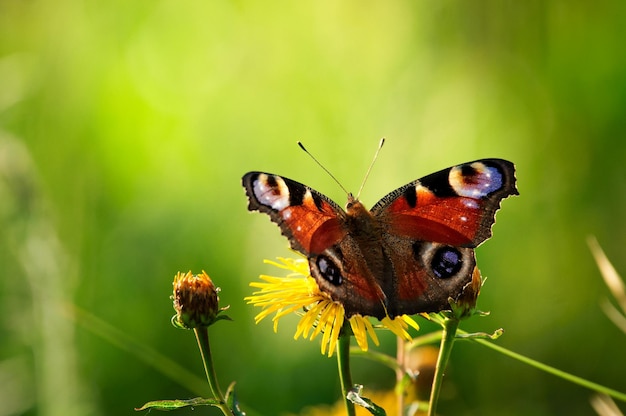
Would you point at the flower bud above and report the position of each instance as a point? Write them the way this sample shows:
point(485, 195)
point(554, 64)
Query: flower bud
point(195, 300)
point(465, 304)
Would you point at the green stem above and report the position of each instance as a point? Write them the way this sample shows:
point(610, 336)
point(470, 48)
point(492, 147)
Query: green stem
point(450, 326)
point(425, 339)
point(555, 371)
point(343, 362)
point(378, 357)
point(202, 335)
point(400, 372)
point(393, 362)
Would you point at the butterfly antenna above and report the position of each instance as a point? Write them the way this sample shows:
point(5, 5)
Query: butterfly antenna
point(322, 166)
point(367, 174)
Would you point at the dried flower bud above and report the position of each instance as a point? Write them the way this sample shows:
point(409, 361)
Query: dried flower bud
point(465, 304)
point(195, 301)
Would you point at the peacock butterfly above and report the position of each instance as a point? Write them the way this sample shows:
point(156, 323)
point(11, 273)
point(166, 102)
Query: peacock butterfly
point(410, 253)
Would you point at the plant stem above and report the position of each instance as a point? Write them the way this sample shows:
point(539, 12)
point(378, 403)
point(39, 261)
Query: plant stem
point(400, 371)
point(450, 326)
point(555, 371)
point(379, 357)
point(425, 339)
point(343, 362)
point(202, 335)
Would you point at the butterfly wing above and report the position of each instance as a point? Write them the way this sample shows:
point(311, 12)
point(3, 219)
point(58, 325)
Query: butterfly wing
point(454, 206)
point(310, 221)
point(431, 227)
point(316, 227)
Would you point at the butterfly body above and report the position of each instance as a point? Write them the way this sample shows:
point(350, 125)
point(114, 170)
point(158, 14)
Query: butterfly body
point(410, 253)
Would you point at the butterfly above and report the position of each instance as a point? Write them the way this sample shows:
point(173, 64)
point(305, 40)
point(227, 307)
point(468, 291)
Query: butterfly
point(409, 254)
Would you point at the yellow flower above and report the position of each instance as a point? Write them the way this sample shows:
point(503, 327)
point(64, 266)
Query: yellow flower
point(298, 293)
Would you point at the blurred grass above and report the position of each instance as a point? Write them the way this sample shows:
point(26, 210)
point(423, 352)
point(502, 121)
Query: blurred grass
point(125, 128)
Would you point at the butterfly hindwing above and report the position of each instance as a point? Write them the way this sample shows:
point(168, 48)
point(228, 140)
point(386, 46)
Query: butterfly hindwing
point(426, 275)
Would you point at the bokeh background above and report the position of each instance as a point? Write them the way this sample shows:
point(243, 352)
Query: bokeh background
point(125, 128)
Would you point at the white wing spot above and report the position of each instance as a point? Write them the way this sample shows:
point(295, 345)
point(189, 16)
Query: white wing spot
point(276, 197)
point(481, 183)
point(470, 204)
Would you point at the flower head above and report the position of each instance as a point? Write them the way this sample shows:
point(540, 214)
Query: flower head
point(195, 301)
point(299, 293)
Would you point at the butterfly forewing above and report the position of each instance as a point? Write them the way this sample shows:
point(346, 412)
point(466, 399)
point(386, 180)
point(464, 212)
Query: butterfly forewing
point(307, 218)
point(454, 206)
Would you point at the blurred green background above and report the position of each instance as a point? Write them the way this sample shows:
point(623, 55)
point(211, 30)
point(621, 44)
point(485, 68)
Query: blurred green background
point(125, 128)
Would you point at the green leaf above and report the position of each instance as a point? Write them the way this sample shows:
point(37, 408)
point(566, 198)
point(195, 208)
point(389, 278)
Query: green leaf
point(481, 335)
point(231, 401)
point(167, 405)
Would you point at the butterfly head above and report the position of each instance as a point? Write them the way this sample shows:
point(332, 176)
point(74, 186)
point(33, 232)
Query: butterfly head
point(352, 200)
point(356, 209)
